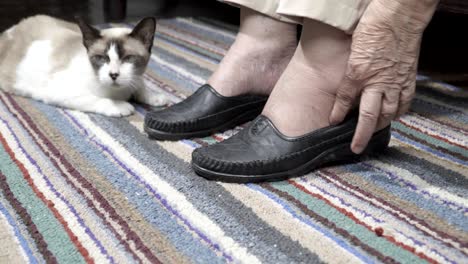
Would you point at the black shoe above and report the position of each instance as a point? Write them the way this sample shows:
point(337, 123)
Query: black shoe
point(261, 153)
point(202, 114)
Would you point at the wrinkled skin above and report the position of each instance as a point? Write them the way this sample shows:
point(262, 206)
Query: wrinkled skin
point(382, 66)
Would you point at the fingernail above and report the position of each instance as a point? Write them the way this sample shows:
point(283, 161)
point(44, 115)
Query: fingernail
point(357, 149)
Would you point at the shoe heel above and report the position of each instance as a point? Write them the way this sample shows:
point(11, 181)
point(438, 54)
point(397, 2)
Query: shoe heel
point(343, 154)
point(379, 142)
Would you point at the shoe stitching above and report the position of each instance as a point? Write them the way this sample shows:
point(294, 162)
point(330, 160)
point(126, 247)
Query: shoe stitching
point(201, 119)
point(255, 164)
point(280, 158)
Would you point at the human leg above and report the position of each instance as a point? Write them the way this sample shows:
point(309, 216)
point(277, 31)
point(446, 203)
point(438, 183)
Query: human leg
point(258, 57)
point(304, 95)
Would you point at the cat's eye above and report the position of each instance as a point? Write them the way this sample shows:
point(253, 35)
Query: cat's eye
point(100, 58)
point(131, 58)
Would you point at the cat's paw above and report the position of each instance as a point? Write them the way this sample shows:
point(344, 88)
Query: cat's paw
point(157, 100)
point(113, 108)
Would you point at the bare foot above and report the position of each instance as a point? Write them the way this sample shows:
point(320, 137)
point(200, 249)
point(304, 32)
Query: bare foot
point(258, 57)
point(303, 97)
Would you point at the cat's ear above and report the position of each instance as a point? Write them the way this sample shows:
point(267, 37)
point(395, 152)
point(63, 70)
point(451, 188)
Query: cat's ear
point(90, 34)
point(144, 32)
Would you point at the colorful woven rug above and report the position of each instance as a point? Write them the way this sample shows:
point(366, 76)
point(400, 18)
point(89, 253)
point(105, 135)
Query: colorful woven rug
point(78, 187)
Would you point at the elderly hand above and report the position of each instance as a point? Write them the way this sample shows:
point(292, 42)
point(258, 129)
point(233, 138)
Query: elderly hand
point(382, 65)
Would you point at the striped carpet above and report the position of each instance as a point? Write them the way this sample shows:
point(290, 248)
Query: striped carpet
point(78, 187)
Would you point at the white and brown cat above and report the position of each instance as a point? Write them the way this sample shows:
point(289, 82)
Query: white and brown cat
point(77, 66)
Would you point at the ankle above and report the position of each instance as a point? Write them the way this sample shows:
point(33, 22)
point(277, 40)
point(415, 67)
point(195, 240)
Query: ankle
point(324, 48)
point(303, 98)
point(253, 65)
point(263, 48)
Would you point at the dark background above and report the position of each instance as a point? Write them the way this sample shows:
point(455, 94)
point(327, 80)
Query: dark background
point(99, 11)
point(444, 49)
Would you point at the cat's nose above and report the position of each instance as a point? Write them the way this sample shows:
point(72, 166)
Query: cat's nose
point(113, 75)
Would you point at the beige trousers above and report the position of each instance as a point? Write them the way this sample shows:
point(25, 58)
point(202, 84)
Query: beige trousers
point(342, 14)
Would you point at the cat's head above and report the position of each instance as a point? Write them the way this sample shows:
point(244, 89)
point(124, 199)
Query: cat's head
point(119, 56)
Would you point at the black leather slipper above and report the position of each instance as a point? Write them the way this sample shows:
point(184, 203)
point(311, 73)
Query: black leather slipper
point(261, 153)
point(202, 114)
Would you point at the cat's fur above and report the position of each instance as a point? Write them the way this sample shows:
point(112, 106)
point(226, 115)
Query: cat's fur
point(77, 66)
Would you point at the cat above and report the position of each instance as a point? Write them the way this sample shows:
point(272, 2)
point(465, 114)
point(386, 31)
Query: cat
point(76, 66)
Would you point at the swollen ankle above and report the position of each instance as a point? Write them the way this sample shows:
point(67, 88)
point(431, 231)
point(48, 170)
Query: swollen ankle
point(258, 57)
point(251, 67)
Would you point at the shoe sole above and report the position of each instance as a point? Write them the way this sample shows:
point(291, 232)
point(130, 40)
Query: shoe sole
point(339, 153)
point(170, 136)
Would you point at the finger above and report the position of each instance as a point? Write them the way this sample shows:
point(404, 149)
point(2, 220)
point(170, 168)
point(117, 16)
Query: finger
point(406, 98)
point(403, 108)
point(389, 107)
point(345, 99)
point(369, 112)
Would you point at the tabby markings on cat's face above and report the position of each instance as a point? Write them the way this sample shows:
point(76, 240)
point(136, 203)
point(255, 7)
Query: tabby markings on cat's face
point(119, 55)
